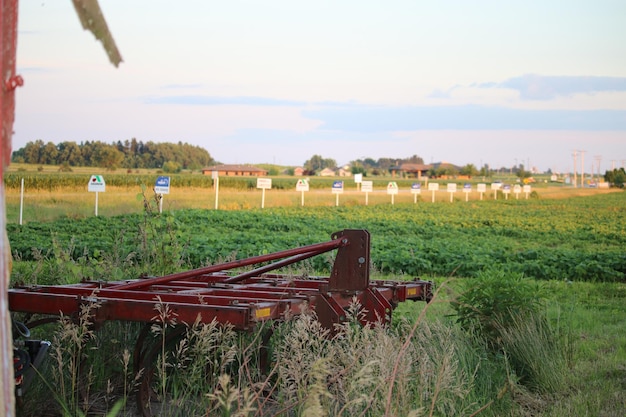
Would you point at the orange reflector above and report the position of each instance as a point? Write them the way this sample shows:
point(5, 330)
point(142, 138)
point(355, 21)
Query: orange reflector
point(411, 291)
point(263, 312)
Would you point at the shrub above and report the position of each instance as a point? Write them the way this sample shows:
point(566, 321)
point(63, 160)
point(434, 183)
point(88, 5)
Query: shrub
point(492, 300)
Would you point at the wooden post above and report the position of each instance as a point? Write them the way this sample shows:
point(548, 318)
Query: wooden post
point(8, 43)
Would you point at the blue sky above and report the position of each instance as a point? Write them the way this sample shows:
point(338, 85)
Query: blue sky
point(496, 82)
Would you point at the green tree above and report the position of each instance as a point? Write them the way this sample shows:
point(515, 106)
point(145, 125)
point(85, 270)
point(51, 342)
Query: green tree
point(49, 154)
point(617, 177)
point(70, 154)
point(32, 151)
point(171, 167)
point(107, 156)
point(469, 170)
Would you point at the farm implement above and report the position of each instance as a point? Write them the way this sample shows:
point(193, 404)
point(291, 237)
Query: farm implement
point(244, 300)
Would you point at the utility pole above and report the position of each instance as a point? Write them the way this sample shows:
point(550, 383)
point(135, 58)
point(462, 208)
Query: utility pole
point(582, 168)
point(575, 154)
point(598, 159)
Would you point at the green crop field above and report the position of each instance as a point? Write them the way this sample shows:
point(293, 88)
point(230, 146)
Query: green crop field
point(567, 244)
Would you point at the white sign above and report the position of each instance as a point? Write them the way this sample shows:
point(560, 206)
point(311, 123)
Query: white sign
point(527, 189)
point(517, 189)
point(496, 185)
point(162, 185)
point(264, 183)
point(392, 188)
point(467, 188)
point(481, 188)
point(506, 189)
point(96, 184)
point(215, 175)
point(337, 187)
point(433, 186)
point(367, 186)
point(302, 185)
point(452, 188)
point(416, 188)
point(358, 178)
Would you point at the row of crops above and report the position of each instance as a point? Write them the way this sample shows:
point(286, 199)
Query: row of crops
point(56, 181)
point(575, 239)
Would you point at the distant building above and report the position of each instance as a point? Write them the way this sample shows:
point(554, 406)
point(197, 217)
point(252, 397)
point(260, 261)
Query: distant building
point(411, 170)
point(298, 171)
point(344, 172)
point(235, 171)
point(327, 172)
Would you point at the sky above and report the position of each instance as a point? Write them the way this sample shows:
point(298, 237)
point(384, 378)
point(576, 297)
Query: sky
point(494, 82)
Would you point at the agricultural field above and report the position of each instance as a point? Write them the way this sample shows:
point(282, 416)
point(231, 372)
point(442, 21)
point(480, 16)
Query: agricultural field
point(561, 251)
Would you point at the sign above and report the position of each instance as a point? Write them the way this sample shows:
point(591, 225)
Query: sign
point(452, 188)
point(367, 186)
point(337, 187)
point(302, 185)
point(433, 186)
point(467, 187)
point(264, 183)
point(517, 189)
point(162, 185)
point(392, 188)
point(481, 188)
point(496, 186)
point(527, 189)
point(96, 184)
point(358, 178)
point(215, 175)
point(416, 188)
point(506, 189)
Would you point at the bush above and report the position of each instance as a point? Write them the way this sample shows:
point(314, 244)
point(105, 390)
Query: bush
point(493, 300)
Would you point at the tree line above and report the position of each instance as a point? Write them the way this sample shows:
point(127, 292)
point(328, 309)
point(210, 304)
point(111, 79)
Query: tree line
point(130, 154)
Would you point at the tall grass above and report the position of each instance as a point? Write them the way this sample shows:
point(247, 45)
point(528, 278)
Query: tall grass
point(427, 365)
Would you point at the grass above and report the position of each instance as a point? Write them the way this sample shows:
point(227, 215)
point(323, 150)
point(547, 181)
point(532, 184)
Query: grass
point(75, 203)
point(424, 365)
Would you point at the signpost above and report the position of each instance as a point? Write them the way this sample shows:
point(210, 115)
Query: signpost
point(433, 187)
point(215, 175)
point(416, 188)
point(21, 201)
point(506, 190)
point(467, 189)
point(162, 186)
point(337, 189)
point(263, 184)
point(482, 189)
point(517, 189)
point(527, 190)
point(495, 186)
point(392, 190)
point(367, 187)
point(358, 178)
point(302, 185)
point(451, 190)
point(96, 185)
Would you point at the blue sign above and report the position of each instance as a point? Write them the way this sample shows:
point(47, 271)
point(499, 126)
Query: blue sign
point(162, 185)
point(338, 187)
point(416, 186)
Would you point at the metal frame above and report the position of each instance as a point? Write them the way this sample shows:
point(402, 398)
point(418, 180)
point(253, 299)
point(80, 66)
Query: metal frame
point(243, 300)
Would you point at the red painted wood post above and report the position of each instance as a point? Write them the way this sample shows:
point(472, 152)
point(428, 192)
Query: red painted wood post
point(8, 42)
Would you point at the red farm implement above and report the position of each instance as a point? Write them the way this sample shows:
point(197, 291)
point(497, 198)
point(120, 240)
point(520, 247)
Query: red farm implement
point(244, 300)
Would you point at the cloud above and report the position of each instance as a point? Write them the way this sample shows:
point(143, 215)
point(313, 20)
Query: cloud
point(539, 87)
point(180, 86)
point(197, 100)
point(469, 117)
